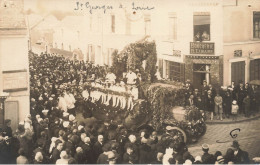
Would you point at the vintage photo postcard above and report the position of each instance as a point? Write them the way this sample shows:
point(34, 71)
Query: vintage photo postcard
point(129, 82)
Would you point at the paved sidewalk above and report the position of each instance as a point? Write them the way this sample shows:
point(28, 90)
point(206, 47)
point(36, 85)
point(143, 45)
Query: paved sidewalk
point(240, 118)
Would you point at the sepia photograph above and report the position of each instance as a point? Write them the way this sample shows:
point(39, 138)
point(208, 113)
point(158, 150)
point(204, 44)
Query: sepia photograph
point(130, 82)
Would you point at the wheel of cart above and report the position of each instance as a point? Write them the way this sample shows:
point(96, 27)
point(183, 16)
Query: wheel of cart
point(177, 133)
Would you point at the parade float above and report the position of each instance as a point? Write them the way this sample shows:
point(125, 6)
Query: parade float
point(160, 105)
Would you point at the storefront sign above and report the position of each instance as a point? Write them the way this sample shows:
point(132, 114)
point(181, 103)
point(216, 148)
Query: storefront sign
point(202, 48)
point(15, 80)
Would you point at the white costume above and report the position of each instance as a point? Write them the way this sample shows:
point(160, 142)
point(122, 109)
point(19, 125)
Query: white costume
point(131, 78)
point(111, 77)
point(62, 105)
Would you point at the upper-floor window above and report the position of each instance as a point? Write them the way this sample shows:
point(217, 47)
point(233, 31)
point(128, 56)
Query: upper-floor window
point(256, 24)
point(201, 26)
point(172, 26)
point(113, 23)
point(147, 21)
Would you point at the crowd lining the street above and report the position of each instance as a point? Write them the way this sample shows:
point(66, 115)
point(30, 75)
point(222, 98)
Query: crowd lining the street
point(225, 102)
point(52, 134)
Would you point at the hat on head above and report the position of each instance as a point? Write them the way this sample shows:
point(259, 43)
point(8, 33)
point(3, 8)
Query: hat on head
point(45, 111)
point(235, 144)
point(79, 149)
point(65, 114)
point(80, 127)
point(111, 155)
point(220, 159)
point(188, 162)
point(234, 102)
point(6, 138)
point(65, 124)
point(205, 146)
point(38, 116)
point(71, 118)
point(40, 120)
point(198, 158)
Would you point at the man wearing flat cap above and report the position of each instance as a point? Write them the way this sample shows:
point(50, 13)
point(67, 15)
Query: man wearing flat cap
point(206, 157)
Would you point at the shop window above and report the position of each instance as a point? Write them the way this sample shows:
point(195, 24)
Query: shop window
point(172, 26)
point(256, 24)
point(201, 26)
point(176, 71)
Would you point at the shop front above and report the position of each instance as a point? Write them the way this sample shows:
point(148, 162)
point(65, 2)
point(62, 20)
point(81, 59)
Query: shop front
point(202, 65)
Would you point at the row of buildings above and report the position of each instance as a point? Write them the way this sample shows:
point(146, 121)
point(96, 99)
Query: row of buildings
point(217, 41)
point(213, 40)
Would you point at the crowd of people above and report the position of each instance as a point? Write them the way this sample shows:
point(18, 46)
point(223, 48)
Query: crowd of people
point(52, 133)
point(224, 102)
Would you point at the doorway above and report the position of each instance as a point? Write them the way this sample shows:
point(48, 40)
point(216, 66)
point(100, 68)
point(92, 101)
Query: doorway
point(238, 71)
point(201, 72)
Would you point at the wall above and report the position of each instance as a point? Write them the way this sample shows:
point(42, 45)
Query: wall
point(238, 35)
point(14, 56)
point(247, 48)
point(184, 12)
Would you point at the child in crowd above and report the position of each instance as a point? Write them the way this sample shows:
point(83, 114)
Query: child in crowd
point(234, 110)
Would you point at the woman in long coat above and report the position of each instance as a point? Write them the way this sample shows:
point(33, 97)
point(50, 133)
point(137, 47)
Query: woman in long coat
point(210, 104)
point(227, 104)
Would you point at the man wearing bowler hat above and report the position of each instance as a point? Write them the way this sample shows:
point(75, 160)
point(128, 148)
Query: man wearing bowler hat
point(240, 156)
point(7, 130)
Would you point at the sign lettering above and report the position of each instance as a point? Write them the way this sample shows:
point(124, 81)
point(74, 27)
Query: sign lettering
point(202, 48)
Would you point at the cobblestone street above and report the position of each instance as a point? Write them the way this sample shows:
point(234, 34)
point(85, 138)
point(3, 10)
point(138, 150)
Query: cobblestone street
point(219, 139)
